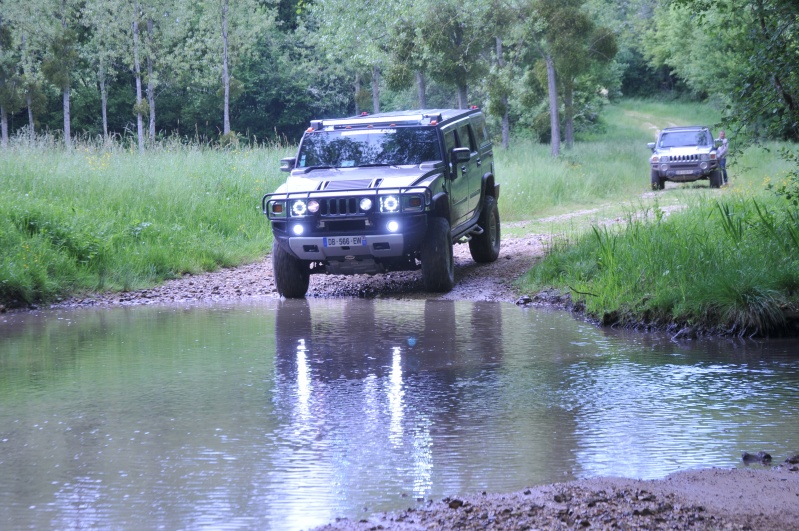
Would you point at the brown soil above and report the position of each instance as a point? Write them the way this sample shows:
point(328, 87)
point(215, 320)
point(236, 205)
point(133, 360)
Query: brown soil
point(748, 498)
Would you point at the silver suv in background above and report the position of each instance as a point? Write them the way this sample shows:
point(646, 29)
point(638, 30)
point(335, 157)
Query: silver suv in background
point(684, 154)
point(385, 192)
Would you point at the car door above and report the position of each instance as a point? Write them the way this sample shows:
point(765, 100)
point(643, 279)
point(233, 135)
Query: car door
point(459, 185)
point(470, 171)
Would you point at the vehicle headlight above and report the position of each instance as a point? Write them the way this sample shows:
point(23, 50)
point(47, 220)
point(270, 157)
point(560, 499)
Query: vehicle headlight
point(365, 204)
point(389, 203)
point(704, 156)
point(313, 206)
point(299, 208)
point(664, 158)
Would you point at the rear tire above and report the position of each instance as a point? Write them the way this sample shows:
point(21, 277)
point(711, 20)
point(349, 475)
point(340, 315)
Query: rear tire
point(438, 264)
point(657, 182)
point(485, 247)
point(715, 179)
point(292, 275)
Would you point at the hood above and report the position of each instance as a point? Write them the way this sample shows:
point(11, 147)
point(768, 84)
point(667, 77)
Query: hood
point(685, 150)
point(357, 178)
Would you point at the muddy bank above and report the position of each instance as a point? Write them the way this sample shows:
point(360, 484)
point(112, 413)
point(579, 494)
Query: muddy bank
point(714, 499)
point(476, 282)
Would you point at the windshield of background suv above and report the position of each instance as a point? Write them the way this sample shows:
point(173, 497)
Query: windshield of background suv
point(364, 147)
point(686, 138)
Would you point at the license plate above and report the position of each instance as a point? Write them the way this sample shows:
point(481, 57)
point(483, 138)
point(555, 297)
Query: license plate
point(344, 241)
point(685, 172)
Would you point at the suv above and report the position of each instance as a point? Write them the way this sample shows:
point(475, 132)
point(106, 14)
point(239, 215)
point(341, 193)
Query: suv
point(684, 154)
point(385, 192)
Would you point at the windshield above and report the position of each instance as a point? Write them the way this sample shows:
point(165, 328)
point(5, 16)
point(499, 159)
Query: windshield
point(686, 138)
point(365, 147)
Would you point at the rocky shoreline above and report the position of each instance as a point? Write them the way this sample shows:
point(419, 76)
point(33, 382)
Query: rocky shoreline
point(713, 499)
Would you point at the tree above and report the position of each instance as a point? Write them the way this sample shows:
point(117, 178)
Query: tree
point(10, 98)
point(103, 49)
point(225, 35)
point(454, 40)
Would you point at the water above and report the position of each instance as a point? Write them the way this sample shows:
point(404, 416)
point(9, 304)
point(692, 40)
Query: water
point(286, 415)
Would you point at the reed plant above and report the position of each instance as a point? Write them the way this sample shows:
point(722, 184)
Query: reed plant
point(104, 217)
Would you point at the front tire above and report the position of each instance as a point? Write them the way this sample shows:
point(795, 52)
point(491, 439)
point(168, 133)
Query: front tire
point(438, 264)
point(657, 182)
point(485, 247)
point(715, 179)
point(292, 276)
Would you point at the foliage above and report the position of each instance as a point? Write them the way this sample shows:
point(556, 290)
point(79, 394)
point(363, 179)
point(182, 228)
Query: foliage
point(103, 218)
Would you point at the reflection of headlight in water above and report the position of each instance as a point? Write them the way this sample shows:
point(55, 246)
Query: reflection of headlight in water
point(411, 341)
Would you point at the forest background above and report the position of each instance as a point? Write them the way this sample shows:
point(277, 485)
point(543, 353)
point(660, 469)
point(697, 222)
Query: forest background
point(255, 70)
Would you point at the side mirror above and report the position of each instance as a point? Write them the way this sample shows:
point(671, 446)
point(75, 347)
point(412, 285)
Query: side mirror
point(651, 145)
point(288, 163)
point(460, 155)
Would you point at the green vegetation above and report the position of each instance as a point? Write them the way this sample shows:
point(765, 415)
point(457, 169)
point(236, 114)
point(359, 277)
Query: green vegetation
point(727, 260)
point(106, 219)
point(103, 218)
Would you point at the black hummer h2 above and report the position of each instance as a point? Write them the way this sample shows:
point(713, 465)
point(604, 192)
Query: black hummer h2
point(385, 192)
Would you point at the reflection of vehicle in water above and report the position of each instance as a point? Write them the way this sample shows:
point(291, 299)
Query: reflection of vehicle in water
point(357, 338)
point(375, 380)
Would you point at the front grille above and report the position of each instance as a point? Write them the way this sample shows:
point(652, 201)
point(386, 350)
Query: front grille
point(684, 158)
point(345, 206)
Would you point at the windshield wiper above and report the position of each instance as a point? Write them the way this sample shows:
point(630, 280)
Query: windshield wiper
point(312, 168)
point(373, 164)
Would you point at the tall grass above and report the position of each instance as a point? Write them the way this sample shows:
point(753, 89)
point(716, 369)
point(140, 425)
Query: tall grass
point(730, 264)
point(102, 217)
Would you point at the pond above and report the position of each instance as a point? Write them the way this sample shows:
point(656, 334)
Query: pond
point(287, 414)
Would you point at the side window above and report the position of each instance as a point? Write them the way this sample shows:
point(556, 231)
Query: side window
point(480, 133)
point(449, 142)
point(466, 138)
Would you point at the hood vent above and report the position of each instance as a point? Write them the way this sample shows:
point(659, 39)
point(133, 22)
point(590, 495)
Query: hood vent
point(346, 184)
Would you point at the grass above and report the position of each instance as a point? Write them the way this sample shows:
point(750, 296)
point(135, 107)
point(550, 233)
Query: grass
point(100, 218)
point(727, 262)
point(106, 218)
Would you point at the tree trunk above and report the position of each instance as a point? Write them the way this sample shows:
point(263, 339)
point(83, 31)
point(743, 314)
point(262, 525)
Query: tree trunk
point(104, 101)
point(568, 111)
point(554, 118)
point(225, 74)
point(421, 90)
point(150, 80)
point(357, 87)
point(3, 127)
point(137, 74)
point(463, 99)
point(67, 128)
point(375, 89)
point(29, 102)
point(104, 109)
point(503, 99)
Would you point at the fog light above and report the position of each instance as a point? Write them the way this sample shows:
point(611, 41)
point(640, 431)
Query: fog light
point(392, 226)
point(664, 167)
point(298, 230)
